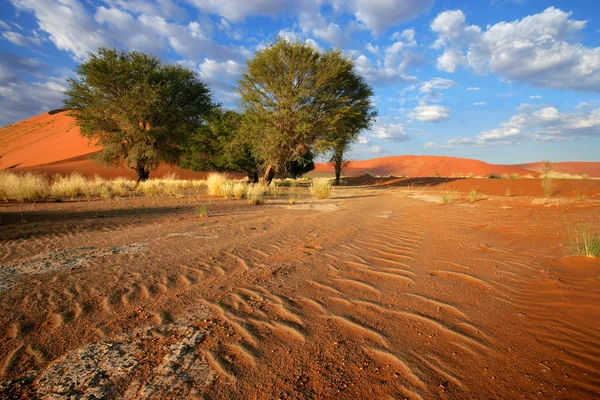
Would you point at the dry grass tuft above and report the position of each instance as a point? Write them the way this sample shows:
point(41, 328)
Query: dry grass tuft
point(214, 183)
point(321, 188)
point(585, 242)
point(473, 196)
point(21, 187)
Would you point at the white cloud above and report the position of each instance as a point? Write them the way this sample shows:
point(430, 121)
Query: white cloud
point(472, 89)
point(4, 25)
point(378, 16)
point(436, 84)
point(430, 113)
point(540, 49)
point(537, 96)
point(524, 107)
point(381, 74)
point(69, 25)
point(236, 10)
point(392, 132)
point(583, 105)
point(544, 124)
point(480, 103)
point(21, 40)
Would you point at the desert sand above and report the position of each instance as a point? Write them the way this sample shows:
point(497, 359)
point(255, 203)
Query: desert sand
point(379, 292)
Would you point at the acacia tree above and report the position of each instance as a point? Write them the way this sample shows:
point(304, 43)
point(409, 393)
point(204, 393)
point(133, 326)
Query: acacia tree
point(294, 97)
point(219, 146)
point(139, 110)
point(356, 114)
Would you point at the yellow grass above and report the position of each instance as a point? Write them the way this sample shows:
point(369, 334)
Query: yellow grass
point(321, 188)
point(214, 182)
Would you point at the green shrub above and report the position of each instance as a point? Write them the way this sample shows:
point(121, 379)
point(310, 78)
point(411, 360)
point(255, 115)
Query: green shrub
point(548, 185)
point(493, 176)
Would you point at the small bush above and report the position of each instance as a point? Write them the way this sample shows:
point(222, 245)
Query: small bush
point(321, 188)
point(514, 176)
point(446, 198)
point(505, 176)
point(214, 182)
point(548, 185)
point(470, 175)
point(493, 176)
point(473, 196)
point(121, 186)
point(202, 210)
point(507, 192)
point(585, 242)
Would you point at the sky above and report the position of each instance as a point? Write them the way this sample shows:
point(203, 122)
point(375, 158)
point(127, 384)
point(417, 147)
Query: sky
point(503, 81)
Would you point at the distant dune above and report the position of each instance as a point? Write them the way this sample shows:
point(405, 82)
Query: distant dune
point(50, 143)
point(421, 166)
point(591, 169)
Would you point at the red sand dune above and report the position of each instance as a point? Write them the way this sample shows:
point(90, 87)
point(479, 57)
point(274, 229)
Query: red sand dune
point(50, 143)
point(42, 139)
point(420, 166)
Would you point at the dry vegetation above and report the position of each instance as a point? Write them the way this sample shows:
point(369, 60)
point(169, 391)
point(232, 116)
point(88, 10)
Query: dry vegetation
point(35, 187)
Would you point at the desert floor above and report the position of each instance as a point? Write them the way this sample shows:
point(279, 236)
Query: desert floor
point(379, 292)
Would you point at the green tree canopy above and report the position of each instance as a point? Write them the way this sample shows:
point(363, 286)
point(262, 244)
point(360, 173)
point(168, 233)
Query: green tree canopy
point(139, 110)
point(219, 146)
point(294, 97)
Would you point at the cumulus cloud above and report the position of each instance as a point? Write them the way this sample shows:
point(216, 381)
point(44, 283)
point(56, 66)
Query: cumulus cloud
point(392, 132)
point(537, 96)
point(378, 16)
point(472, 89)
point(430, 113)
point(381, 74)
point(436, 84)
point(544, 124)
point(480, 103)
point(540, 49)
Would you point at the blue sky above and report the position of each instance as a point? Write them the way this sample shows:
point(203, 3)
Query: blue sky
point(504, 81)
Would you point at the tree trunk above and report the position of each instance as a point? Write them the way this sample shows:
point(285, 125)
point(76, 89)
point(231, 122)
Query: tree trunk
point(338, 164)
point(338, 171)
point(253, 176)
point(142, 173)
point(269, 174)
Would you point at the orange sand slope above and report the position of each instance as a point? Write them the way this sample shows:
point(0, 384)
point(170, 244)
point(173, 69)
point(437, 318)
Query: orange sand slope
point(421, 166)
point(50, 143)
point(42, 139)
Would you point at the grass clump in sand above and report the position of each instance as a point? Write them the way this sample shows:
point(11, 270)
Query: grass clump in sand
point(494, 176)
point(69, 186)
point(232, 189)
point(202, 210)
point(507, 192)
point(256, 193)
point(294, 195)
point(21, 187)
point(321, 188)
point(473, 196)
point(150, 187)
point(584, 242)
point(215, 182)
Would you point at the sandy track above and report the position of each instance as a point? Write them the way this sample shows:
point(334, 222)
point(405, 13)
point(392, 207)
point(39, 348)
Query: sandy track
point(372, 295)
